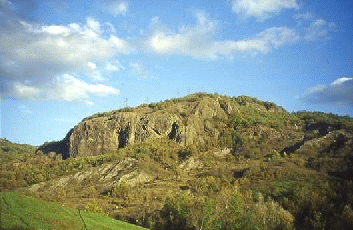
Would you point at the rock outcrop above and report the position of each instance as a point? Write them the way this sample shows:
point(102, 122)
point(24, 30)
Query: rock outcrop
point(198, 120)
point(185, 122)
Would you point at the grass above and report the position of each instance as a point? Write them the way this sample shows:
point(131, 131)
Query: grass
point(24, 212)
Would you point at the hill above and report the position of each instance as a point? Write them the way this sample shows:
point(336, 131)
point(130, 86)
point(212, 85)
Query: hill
point(11, 151)
point(202, 161)
point(199, 120)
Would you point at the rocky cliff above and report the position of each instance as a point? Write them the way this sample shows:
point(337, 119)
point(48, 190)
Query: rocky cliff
point(198, 119)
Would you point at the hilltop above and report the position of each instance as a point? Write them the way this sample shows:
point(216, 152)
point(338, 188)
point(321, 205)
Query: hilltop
point(201, 161)
point(200, 120)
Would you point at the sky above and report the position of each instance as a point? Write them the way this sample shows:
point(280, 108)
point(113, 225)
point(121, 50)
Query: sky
point(63, 60)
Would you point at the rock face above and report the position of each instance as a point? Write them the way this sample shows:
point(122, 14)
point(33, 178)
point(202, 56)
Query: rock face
point(184, 123)
point(197, 119)
point(98, 135)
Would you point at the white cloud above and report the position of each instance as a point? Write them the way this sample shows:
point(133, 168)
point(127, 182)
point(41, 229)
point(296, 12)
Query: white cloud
point(34, 55)
point(114, 66)
point(117, 7)
point(318, 28)
point(69, 88)
point(138, 69)
point(93, 25)
point(262, 9)
point(94, 73)
point(304, 16)
point(270, 38)
point(65, 87)
point(92, 66)
point(36, 52)
point(189, 40)
point(55, 30)
point(22, 91)
point(341, 81)
point(199, 41)
point(339, 91)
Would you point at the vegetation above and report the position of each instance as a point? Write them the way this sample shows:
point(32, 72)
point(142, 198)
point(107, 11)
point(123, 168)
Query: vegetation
point(265, 169)
point(23, 212)
point(10, 151)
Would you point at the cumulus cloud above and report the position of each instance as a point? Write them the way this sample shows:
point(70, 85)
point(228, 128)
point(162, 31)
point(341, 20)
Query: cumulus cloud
point(117, 7)
point(314, 28)
point(69, 88)
point(189, 40)
point(23, 91)
point(270, 38)
point(319, 29)
point(33, 55)
point(262, 9)
point(304, 16)
point(114, 66)
point(339, 91)
point(65, 87)
point(94, 73)
point(199, 41)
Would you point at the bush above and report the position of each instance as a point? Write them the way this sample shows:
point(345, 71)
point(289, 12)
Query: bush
point(184, 154)
point(93, 206)
point(174, 215)
point(268, 215)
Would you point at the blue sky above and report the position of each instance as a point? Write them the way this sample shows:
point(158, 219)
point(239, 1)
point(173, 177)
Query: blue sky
point(61, 61)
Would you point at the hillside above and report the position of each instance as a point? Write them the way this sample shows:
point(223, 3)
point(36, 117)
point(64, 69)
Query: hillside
point(199, 120)
point(23, 212)
point(11, 151)
point(202, 161)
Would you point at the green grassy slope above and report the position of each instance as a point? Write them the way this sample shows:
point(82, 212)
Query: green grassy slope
point(23, 212)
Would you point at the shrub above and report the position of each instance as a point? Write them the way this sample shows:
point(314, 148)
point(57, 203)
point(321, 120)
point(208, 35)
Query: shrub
point(268, 215)
point(93, 206)
point(174, 215)
point(122, 190)
point(184, 153)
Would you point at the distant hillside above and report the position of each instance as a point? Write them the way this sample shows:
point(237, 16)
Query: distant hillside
point(204, 161)
point(10, 151)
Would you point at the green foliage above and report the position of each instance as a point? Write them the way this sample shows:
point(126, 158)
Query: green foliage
point(312, 117)
point(94, 207)
point(11, 151)
point(207, 184)
point(226, 209)
point(36, 168)
point(253, 115)
point(122, 190)
point(275, 155)
point(174, 215)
